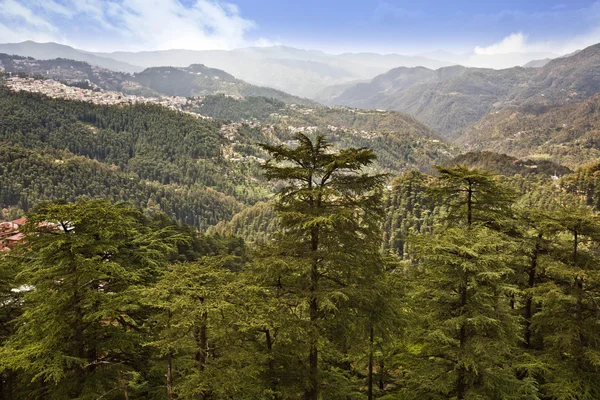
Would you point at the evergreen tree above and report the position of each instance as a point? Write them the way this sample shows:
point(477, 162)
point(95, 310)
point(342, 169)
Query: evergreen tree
point(80, 332)
point(568, 320)
point(10, 300)
point(330, 214)
point(468, 336)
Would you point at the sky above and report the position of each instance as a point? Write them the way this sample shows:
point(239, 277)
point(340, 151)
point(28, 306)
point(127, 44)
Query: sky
point(335, 26)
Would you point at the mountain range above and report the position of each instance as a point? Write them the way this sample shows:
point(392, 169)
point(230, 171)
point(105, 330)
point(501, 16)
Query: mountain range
point(450, 99)
point(299, 72)
point(544, 110)
point(195, 80)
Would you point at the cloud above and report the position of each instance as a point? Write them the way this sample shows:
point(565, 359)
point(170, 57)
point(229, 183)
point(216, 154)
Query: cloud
point(519, 43)
point(128, 24)
point(21, 15)
point(588, 18)
point(513, 43)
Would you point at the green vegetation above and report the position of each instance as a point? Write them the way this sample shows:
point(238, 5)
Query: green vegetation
point(506, 165)
point(198, 171)
point(228, 108)
point(461, 284)
point(30, 176)
point(56, 149)
point(566, 134)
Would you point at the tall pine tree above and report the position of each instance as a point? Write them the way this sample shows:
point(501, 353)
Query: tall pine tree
point(330, 214)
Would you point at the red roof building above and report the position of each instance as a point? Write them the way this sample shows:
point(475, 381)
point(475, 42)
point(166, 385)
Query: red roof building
point(21, 221)
point(10, 235)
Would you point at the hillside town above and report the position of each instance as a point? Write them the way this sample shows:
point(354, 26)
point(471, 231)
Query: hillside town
point(10, 234)
point(54, 89)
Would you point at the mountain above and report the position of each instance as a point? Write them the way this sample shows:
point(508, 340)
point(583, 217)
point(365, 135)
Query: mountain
point(401, 142)
point(296, 71)
point(47, 51)
point(300, 72)
point(202, 172)
point(495, 61)
point(537, 63)
point(195, 80)
point(568, 134)
point(59, 149)
point(450, 99)
point(199, 80)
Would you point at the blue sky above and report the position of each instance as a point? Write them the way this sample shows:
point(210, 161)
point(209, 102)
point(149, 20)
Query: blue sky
point(484, 26)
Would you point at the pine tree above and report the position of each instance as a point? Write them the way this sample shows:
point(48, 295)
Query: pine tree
point(196, 328)
point(568, 319)
point(10, 307)
point(330, 214)
point(468, 336)
point(81, 329)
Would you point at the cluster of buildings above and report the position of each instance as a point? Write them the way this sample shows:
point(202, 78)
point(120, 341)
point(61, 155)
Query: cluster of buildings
point(10, 235)
point(54, 89)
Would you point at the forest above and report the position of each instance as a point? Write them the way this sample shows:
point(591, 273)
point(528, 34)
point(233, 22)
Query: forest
point(455, 284)
point(199, 171)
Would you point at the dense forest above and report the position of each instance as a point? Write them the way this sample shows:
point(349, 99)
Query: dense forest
point(199, 171)
point(57, 149)
point(458, 284)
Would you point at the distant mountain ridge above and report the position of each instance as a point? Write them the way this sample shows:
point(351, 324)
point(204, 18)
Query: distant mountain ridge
point(195, 80)
point(299, 72)
point(450, 99)
point(47, 51)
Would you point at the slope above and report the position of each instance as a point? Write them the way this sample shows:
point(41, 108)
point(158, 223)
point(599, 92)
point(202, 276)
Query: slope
point(452, 98)
point(47, 51)
point(195, 80)
point(400, 141)
point(568, 134)
point(175, 152)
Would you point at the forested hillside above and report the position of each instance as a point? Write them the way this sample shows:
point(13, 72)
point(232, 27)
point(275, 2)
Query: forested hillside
point(196, 170)
point(151, 155)
point(503, 164)
point(29, 176)
point(460, 284)
point(400, 141)
point(566, 134)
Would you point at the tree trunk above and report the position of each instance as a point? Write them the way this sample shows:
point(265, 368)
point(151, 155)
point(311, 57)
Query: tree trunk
point(312, 392)
point(201, 336)
point(530, 284)
point(470, 205)
point(271, 365)
point(381, 375)
point(79, 338)
point(370, 373)
point(124, 386)
point(6, 385)
point(579, 289)
point(169, 364)
point(170, 375)
point(461, 385)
